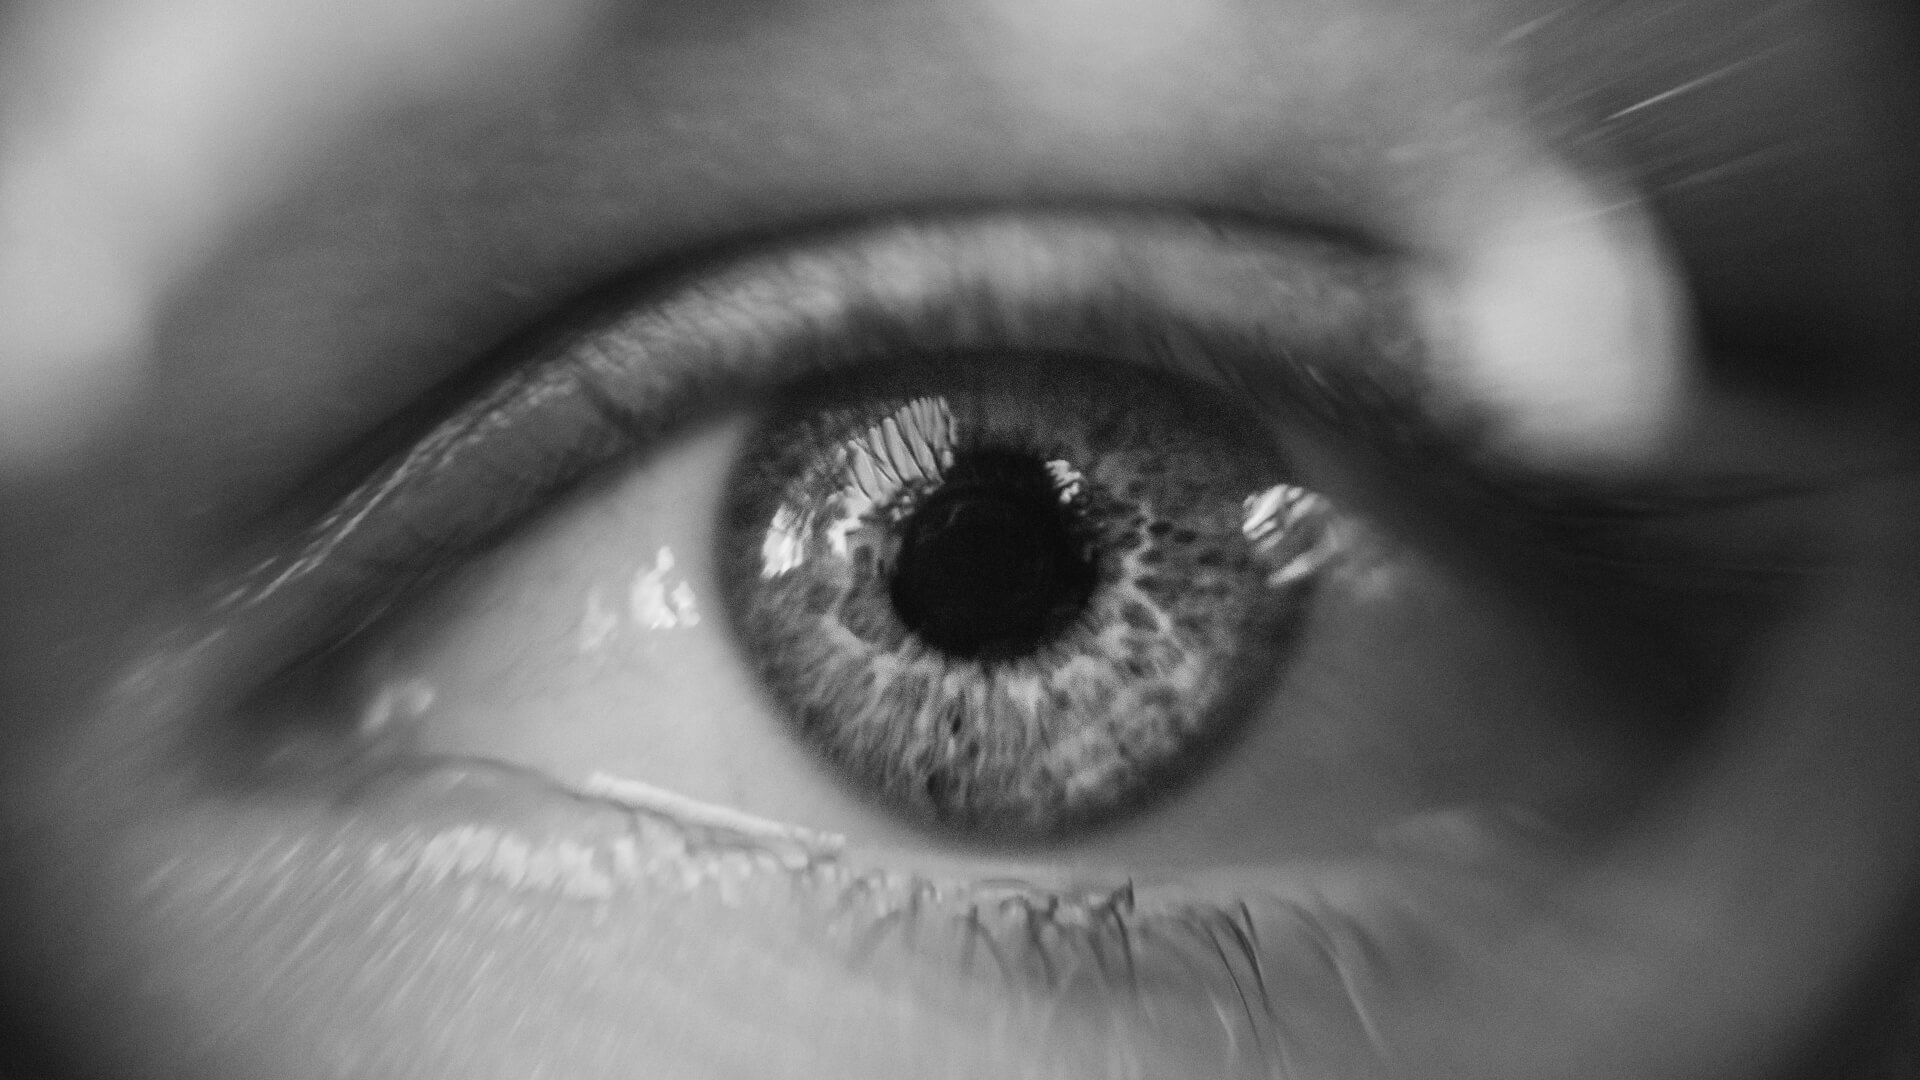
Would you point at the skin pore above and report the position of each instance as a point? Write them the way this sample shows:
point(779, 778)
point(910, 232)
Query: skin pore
point(1657, 238)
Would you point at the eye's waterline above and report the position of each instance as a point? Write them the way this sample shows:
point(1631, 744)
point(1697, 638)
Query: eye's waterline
point(643, 796)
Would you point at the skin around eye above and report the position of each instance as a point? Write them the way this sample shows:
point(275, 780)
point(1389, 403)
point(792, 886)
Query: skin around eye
point(564, 731)
point(442, 923)
point(559, 732)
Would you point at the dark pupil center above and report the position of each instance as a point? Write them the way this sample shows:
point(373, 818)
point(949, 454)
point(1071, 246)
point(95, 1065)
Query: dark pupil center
point(990, 565)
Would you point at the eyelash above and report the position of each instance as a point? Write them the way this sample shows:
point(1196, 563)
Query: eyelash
point(1143, 958)
point(1336, 349)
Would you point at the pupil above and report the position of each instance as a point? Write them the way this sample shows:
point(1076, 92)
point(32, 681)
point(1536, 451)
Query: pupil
point(990, 565)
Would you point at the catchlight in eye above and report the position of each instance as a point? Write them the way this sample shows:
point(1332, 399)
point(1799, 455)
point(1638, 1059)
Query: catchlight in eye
point(1015, 598)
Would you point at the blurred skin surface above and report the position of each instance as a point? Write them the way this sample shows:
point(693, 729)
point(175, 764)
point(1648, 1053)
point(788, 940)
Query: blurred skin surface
point(239, 237)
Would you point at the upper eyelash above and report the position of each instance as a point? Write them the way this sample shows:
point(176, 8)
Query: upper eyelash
point(1334, 344)
point(1337, 348)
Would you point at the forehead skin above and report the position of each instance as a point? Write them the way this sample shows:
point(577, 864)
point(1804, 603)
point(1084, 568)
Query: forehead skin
point(1774, 141)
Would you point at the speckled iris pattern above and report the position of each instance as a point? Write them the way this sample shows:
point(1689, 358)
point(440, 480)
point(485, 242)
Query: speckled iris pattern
point(1203, 557)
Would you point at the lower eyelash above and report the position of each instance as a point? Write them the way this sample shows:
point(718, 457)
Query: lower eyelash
point(1264, 977)
point(1256, 992)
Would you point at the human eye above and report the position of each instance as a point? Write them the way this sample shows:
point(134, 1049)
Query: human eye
point(1048, 542)
point(1308, 691)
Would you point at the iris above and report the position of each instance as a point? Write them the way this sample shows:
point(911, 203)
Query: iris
point(1020, 597)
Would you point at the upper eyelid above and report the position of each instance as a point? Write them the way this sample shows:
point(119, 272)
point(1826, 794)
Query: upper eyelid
point(1312, 327)
point(1296, 319)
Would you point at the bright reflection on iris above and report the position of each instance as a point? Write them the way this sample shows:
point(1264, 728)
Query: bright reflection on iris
point(912, 446)
point(1298, 530)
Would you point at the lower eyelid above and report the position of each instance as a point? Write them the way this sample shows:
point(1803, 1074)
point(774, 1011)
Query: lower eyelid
point(1259, 965)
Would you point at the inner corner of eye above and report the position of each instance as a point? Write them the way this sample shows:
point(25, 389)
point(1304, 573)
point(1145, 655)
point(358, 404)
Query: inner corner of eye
point(1016, 601)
